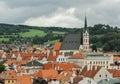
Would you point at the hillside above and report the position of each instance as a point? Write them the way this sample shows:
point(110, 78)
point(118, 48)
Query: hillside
point(101, 35)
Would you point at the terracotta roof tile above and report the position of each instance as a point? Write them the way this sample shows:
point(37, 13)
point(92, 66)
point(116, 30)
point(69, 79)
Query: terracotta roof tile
point(9, 74)
point(116, 58)
point(49, 74)
point(61, 66)
point(77, 79)
point(115, 72)
point(57, 46)
point(91, 72)
point(78, 56)
point(52, 57)
point(64, 76)
point(24, 79)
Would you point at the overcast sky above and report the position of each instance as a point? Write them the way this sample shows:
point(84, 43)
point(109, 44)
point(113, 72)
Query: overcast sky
point(63, 13)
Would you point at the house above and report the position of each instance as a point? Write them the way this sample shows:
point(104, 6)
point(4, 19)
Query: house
point(61, 58)
point(96, 72)
point(9, 77)
point(65, 77)
point(52, 56)
point(42, 59)
point(48, 75)
point(78, 59)
point(97, 59)
point(62, 66)
point(24, 79)
point(32, 67)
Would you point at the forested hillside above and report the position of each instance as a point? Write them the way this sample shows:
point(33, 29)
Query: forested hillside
point(101, 36)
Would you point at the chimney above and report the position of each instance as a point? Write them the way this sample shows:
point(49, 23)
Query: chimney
point(54, 53)
point(32, 79)
point(88, 67)
point(95, 67)
point(48, 53)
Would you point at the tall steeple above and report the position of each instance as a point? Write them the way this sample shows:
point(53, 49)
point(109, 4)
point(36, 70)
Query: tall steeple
point(85, 37)
point(85, 24)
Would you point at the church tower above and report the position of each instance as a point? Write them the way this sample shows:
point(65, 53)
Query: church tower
point(85, 37)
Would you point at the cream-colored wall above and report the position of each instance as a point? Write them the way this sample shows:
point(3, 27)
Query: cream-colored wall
point(80, 62)
point(103, 61)
point(10, 81)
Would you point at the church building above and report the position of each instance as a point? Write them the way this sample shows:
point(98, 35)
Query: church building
point(73, 43)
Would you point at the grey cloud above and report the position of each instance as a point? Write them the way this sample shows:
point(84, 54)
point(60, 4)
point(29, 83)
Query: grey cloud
point(98, 11)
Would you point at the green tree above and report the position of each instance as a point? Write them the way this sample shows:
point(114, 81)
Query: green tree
point(2, 68)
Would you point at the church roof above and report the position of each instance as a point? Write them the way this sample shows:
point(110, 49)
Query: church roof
point(72, 42)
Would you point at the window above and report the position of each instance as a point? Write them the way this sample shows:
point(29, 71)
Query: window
point(106, 75)
point(99, 62)
point(12, 81)
point(90, 62)
point(8, 81)
point(106, 62)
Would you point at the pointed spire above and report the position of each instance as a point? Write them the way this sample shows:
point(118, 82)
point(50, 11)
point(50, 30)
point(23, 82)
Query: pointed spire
point(85, 26)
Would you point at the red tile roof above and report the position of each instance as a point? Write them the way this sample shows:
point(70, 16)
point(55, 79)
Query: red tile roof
point(51, 56)
point(90, 72)
point(115, 72)
point(9, 74)
point(61, 66)
point(64, 76)
point(47, 74)
point(116, 58)
point(57, 46)
point(24, 79)
point(78, 56)
point(77, 79)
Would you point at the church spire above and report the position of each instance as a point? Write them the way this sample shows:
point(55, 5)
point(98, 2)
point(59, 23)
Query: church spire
point(85, 25)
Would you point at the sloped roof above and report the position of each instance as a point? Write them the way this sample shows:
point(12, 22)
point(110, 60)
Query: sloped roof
point(116, 58)
point(61, 66)
point(64, 76)
point(51, 56)
point(77, 79)
point(24, 79)
point(71, 42)
point(57, 46)
point(9, 74)
point(49, 74)
point(115, 72)
point(90, 73)
point(33, 63)
point(78, 56)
